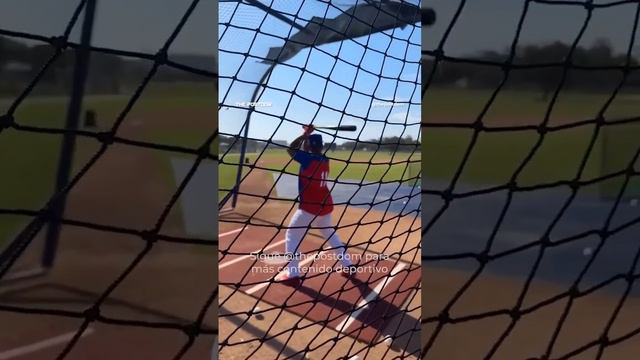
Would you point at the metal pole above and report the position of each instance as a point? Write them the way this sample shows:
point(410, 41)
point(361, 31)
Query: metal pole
point(65, 162)
point(276, 14)
point(243, 149)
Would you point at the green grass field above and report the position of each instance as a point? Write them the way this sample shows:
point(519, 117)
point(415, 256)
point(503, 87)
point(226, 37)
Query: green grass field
point(29, 160)
point(344, 166)
point(496, 156)
point(444, 104)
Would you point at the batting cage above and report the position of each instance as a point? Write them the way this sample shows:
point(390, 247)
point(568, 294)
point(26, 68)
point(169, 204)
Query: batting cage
point(530, 119)
point(107, 130)
point(348, 76)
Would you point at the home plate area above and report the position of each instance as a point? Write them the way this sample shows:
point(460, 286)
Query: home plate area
point(359, 305)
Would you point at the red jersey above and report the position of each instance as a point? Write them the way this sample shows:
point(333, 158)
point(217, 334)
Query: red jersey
point(313, 190)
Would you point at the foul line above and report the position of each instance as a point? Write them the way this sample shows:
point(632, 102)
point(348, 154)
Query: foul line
point(232, 231)
point(41, 345)
point(344, 325)
point(262, 285)
point(243, 257)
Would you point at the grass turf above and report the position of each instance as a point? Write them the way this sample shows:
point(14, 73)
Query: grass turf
point(29, 160)
point(444, 104)
point(357, 166)
point(496, 156)
point(360, 165)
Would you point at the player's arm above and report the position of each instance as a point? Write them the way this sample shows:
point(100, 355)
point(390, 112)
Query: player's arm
point(297, 143)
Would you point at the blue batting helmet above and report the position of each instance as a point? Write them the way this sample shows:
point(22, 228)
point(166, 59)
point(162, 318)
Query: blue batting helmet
point(315, 141)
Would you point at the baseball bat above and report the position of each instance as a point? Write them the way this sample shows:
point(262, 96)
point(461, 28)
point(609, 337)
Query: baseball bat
point(338, 128)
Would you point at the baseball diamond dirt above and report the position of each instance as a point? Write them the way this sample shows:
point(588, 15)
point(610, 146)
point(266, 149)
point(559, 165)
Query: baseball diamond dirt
point(249, 299)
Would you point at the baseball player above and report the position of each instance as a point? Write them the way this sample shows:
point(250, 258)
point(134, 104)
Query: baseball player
point(315, 206)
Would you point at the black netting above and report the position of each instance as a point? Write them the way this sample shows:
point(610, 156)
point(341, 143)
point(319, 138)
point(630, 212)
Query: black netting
point(273, 81)
point(597, 133)
point(38, 218)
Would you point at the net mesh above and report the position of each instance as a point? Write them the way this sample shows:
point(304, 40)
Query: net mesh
point(540, 247)
point(60, 46)
point(370, 81)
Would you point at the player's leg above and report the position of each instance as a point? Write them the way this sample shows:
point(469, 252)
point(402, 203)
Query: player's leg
point(328, 231)
point(297, 228)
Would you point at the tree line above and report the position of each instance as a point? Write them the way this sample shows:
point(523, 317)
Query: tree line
point(385, 144)
point(543, 79)
point(20, 62)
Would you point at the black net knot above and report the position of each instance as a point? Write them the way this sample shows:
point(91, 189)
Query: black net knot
point(630, 278)
point(588, 5)
point(574, 185)
point(515, 314)
point(92, 314)
point(6, 121)
point(483, 258)
point(203, 151)
point(542, 129)
point(574, 291)
point(161, 57)
point(447, 195)
point(191, 330)
point(478, 126)
point(604, 340)
point(59, 42)
point(438, 54)
point(105, 137)
point(149, 236)
point(444, 317)
point(545, 241)
point(513, 186)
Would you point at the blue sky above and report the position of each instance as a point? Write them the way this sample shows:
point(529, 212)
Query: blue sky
point(307, 96)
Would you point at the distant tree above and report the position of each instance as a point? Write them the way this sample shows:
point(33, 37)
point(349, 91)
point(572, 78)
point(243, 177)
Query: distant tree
point(601, 52)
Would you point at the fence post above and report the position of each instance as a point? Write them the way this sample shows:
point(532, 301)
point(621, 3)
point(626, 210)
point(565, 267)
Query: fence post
point(65, 162)
point(245, 137)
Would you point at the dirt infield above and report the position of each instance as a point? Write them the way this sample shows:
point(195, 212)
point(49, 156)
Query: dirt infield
point(530, 337)
point(281, 332)
point(324, 294)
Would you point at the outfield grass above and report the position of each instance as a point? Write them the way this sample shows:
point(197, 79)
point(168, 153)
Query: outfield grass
point(27, 176)
point(29, 160)
point(444, 104)
point(497, 156)
point(377, 167)
point(226, 178)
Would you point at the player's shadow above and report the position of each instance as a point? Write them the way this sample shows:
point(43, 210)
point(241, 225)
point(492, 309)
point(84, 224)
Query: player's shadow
point(380, 314)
